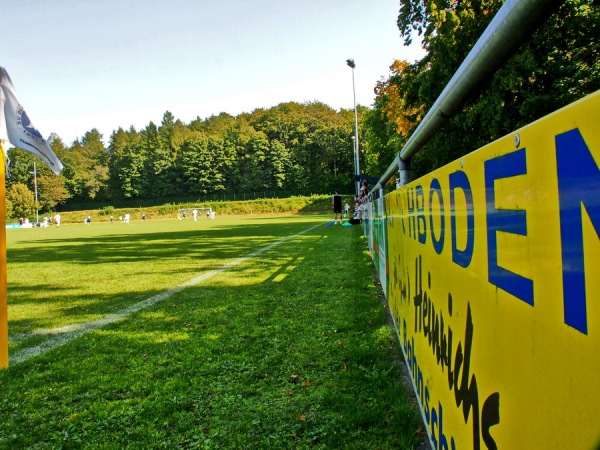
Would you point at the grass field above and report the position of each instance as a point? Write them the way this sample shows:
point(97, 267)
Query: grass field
point(182, 334)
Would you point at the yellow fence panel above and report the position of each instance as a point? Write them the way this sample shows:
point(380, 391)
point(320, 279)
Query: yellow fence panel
point(494, 286)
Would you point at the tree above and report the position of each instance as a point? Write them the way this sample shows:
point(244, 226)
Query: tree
point(280, 160)
point(545, 74)
point(201, 161)
point(126, 164)
point(9, 212)
point(161, 147)
point(264, 171)
point(57, 146)
point(117, 148)
point(315, 135)
point(151, 153)
point(93, 149)
point(51, 191)
point(97, 180)
point(73, 171)
point(393, 118)
point(83, 161)
point(238, 141)
point(51, 188)
point(21, 200)
point(218, 125)
point(21, 166)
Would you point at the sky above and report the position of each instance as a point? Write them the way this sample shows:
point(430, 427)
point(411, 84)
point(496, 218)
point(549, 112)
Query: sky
point(83, 64)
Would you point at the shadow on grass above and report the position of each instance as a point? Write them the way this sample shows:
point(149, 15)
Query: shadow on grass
point(295, 355)
point(132, 266)
point(225, 241)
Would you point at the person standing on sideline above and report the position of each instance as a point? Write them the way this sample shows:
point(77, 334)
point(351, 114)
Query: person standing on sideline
point(364, 191)
point(195, 214)
point(337, 206)
point(57, 219)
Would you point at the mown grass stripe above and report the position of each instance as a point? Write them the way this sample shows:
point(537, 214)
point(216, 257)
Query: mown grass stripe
point(69, 333)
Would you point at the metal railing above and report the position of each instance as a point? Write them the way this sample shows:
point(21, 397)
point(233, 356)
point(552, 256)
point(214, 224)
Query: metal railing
point(515, 21)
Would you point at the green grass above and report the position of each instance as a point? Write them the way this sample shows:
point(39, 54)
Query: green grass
point(288, 349)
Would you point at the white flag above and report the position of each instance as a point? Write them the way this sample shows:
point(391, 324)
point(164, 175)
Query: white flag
point(21, 133)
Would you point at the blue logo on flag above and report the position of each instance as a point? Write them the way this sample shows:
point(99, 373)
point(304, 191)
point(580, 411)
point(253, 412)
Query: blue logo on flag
point(26, 123)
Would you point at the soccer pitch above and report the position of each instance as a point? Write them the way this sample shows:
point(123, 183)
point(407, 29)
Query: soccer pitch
point(75, 274)
point(229, 333)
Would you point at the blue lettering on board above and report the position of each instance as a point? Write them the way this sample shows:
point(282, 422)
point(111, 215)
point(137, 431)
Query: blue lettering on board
point(436, 188)
point(421, 223)
point(505, 220)
point(459, 180)
point(578, 188)
point(411, 209)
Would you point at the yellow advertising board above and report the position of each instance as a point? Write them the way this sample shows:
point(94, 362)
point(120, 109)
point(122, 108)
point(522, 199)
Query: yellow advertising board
point(494, 286)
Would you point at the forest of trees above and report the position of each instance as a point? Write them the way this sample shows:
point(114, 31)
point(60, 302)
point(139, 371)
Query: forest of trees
point(308, 148)
point(291, 148)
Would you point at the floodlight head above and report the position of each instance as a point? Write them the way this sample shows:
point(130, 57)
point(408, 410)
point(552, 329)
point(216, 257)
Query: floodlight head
point(350, 63)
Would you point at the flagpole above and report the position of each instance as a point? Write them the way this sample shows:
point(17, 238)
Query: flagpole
point(3, 278)
point(17, 126)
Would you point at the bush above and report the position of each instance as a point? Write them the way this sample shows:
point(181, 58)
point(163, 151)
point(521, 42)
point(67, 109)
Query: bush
point(21, 199)
point(167, 209)
point(315, 204)
point(9, 214)
point(107, 211)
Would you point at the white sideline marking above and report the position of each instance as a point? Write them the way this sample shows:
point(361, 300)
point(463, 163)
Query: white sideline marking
point(71, 332)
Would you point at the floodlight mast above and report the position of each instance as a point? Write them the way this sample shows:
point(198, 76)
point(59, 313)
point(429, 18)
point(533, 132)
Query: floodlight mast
point(37, 213)
point(352, 65)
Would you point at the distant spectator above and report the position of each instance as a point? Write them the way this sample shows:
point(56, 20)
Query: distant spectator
point(364, 191)
point(337, 206)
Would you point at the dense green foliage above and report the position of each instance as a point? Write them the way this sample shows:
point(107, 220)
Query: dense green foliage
point(291, 147)
point(289, 349)
point(20, 201)
point(558, 65)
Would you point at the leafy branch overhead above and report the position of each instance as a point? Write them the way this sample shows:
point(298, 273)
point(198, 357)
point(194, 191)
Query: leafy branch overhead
point(546, 74)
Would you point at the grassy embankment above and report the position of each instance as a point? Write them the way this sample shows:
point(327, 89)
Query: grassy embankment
point(316, 204)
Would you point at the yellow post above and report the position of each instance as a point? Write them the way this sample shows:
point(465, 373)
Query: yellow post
point(3, 302)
